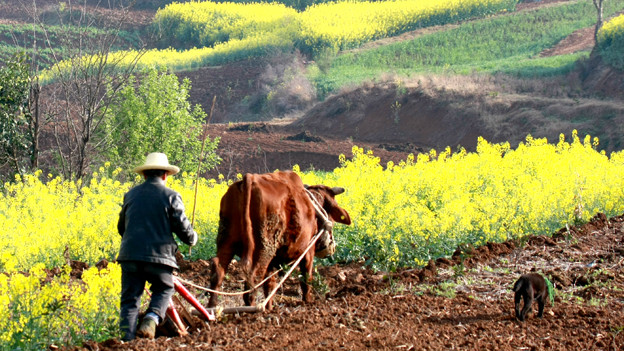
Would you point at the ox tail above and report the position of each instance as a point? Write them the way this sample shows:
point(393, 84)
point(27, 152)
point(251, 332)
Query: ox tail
point(247, 228)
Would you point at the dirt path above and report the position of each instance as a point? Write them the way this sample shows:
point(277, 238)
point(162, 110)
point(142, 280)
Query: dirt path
point(265, 147)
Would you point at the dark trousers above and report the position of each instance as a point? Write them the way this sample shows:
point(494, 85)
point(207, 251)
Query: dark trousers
point(134, 274)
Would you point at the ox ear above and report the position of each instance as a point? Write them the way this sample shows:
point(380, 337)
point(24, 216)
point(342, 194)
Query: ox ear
point(339, 215)
point(337, 190)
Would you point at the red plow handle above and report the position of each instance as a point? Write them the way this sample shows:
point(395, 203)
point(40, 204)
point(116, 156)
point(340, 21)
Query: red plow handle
point(173, 314)
point(209, 316)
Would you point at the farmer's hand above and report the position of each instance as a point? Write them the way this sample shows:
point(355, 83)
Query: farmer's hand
point(194, 238)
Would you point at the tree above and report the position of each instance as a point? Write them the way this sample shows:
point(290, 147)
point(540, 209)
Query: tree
point(19, 116)
point(152, 113)
point(86, 78)
point(88, 98)
point(599, 4)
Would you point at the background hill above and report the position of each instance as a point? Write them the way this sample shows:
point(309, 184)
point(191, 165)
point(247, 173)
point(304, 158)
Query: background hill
point(392, 114)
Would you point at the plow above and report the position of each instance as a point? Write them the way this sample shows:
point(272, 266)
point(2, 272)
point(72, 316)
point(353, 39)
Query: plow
point(179, 319)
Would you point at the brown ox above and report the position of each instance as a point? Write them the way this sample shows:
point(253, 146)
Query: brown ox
point(268, 220)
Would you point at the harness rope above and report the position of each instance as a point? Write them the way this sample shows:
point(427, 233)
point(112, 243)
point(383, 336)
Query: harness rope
point(320, 211)
point(229, 293)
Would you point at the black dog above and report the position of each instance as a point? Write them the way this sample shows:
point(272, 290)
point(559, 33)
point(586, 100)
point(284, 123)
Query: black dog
point(529, 287)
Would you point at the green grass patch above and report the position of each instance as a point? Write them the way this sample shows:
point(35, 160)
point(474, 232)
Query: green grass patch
point(536, 67)
point(508, 43)
point(59, 40)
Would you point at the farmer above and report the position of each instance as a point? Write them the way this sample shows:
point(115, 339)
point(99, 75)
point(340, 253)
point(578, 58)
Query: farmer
point(150, 213)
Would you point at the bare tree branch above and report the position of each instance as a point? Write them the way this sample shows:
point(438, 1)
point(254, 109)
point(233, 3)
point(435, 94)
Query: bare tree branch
point(87, 78)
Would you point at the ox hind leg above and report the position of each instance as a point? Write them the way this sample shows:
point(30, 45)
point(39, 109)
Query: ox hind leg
point(268, 286)
point(247, 264)
point(263, 258)
point(256, 274)
point(249, 269)
point(249, 298)
point(254, 277)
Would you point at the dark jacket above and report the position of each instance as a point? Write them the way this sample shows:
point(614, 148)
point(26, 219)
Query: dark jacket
point(149, 215)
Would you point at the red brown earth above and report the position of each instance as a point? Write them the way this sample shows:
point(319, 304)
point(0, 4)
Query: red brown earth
point(464, 302)
point(265, 147)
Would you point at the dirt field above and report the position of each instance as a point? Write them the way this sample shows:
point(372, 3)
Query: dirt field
point(461, 303)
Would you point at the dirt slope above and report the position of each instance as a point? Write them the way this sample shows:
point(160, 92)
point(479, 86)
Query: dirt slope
point(457, 110)
point(265, 147)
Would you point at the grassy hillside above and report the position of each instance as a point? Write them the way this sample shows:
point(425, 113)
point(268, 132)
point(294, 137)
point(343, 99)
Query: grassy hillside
point(611, 42)
point(508, 44)
point(51, 42)
point(207, 33)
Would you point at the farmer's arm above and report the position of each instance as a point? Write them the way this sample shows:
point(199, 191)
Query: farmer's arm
point(121, 223)
point(180, 223)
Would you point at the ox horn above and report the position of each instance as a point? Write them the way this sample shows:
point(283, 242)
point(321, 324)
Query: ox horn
point(338, 190)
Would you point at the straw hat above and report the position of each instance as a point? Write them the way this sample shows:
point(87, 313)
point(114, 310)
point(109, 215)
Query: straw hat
point(157, 160)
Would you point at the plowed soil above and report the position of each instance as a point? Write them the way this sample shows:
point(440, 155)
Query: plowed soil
point(464, 302)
